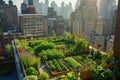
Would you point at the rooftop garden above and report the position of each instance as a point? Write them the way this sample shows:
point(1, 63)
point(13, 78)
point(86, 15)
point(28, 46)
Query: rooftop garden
point(63, 55)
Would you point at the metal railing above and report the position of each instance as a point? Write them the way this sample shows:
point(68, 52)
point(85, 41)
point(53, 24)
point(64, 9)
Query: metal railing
point(17, 62)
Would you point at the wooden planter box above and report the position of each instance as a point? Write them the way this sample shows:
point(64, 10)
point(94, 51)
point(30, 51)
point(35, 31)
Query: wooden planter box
point(56, 73)
point(112, 66)
point(71, 69)
point(23, 69)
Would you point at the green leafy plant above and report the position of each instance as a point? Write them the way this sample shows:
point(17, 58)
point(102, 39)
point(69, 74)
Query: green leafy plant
point(84, 61)
point(43, 76)
point(100, 73)
point(31, 71)
point(72, 62)
point(81, 46)
point(50, 54)
point(57, 65)
point(44, 46)
point(68, 76)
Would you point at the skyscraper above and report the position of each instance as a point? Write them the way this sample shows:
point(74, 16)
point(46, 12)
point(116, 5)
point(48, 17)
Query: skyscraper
point(105, 8)
point(77, 4)
point(28, 9)
point(47, 3)
point(9, 15)
point(30, 2)
point(117, 33)
point(26, 1)
point(24, 8)
point(46, 6)
point(37, 6)
point(10, 2)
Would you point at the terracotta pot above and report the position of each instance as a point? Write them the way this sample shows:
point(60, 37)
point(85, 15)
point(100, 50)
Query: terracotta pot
point(85, 75)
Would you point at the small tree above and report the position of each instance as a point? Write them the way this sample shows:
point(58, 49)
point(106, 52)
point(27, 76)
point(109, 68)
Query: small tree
point(81, 46)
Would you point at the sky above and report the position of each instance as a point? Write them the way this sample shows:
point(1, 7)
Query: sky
point(18, 2)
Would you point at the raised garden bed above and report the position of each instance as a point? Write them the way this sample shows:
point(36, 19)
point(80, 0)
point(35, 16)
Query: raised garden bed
point(72, 63)
point(57, 67)
point(84, 61)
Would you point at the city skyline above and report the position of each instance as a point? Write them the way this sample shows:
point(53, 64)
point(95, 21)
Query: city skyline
point(58, 2)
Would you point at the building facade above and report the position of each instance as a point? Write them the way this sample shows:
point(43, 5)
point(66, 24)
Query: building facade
point(9, 15)
point(106, 10)
point(85, 17)
point(86, 23)
point(55, 23)
point(33, 24)
point(117, 33)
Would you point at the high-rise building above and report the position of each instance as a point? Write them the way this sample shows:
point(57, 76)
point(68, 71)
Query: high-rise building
point(86, 23)
point(105, 8)
point(47, 3)
point(55, 6)
point(77, 4)
point(9, 15)
point(42, 9)
point(37, 6)
point(28, 8)
point(46, 6)
point(26, 1)
point(30, 2)
point(24, 8)
point(117, 33)
point(55, 23)
point(10, 2)
point(63, 9)
point(85, 18)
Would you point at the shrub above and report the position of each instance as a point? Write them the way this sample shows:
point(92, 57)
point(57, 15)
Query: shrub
point(31, 71)
point(44, 46)
point(35, 43)
point(80, 47)
point(30, 50)
point(100, 73)
point(30, 61)
point(50, 54)
point(52, 67)
point(8, 47)
point(43, 76)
